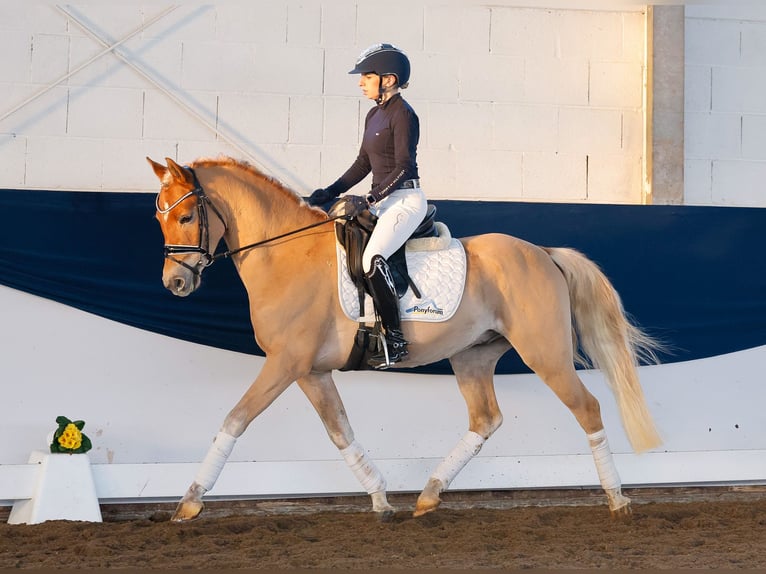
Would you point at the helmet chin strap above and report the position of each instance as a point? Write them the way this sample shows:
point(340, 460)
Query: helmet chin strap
point(382, 92)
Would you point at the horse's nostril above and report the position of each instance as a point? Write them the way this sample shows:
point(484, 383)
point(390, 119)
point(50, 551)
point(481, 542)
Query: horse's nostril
point(179, 283)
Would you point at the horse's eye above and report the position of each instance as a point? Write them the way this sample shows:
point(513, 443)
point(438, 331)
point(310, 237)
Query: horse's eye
point(184, 219)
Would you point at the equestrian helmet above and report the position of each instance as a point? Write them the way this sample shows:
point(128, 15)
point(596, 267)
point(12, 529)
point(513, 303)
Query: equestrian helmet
point(384, 59)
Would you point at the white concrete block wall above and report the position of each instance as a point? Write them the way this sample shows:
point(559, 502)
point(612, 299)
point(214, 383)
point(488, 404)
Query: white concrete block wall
point(515, 103)
point(725, 105)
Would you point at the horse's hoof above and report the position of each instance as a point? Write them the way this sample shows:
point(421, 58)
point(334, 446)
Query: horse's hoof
point(622, 514)
point(386, 515)
point(186, 511)
point(424, 506)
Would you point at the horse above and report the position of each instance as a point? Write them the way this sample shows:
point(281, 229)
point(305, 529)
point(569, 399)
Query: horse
point(553, 305)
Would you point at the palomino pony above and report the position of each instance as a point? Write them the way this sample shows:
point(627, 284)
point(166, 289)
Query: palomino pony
point(539, 301)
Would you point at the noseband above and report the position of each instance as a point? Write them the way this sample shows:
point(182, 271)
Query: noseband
point(203, 247)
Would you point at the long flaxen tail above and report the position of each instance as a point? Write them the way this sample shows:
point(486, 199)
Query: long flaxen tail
point(609, 341)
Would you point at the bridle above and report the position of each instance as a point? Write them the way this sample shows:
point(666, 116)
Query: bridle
point(208, 257)
point(203, 246)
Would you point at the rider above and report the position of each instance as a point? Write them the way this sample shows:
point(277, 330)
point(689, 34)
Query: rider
point(388, 150)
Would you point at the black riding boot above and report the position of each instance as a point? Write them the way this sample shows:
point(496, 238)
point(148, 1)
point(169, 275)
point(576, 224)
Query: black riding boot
point(383, 291)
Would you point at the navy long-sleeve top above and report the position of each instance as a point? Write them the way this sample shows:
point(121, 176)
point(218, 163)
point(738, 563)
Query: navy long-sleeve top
point(389, 149)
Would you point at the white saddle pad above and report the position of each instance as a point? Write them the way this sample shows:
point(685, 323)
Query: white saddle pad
point(436, 267)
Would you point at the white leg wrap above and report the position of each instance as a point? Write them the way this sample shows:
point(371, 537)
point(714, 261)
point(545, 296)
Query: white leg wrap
point(466, 448)
point(602, 455)
point(214, 460)
point(363, 468)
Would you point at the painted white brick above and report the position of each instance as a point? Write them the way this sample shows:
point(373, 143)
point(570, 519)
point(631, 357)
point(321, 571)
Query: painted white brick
point(288, 70)
point(400, 23)
point(337, 80)
point(633, 36)
point(520, 32)
point(521, 127)
point(335, 160)
point(633, 131)
point(306, 120)
point(555, 81)
point(338, 25)
point(38, 16)
point(614, 178)
point(260, 119)
point(727, 11)
point(438, 173)
point(164, 119)
point(461, 127)
point(709, 135)
point(50, 57)
point(111, 22)
point(444, 24)
point(491, 78)
point(60, 162)
point(161, 59)
point(261, 23)
point(44, 115)
point(488, 173)
point(616, 84)
point(304, 20)
point(16, 48)
point(435, 77)
point(754, 137)
point(697, 87)
point(739, 183)
point(554, 176)
point(189, 150)
point(105, 113)
point(192, 22)
point(589, 35)
point(584, 130)
point(14, 160)
point(221, 66)
point(698, 182)
point(753, 44)
point(297, 167)
point(124, 167)
point(711, 42)
point(342, 122)
point(739, 90)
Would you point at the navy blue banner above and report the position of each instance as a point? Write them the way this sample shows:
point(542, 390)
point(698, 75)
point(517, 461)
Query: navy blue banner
point(692, 276)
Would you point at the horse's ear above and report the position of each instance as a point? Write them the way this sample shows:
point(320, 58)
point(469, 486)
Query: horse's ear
point(179, 173)
point(159, 170)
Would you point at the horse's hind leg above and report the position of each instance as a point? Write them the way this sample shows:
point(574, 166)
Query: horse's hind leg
point(474, 369)
point(586, 409)
point(321, 391)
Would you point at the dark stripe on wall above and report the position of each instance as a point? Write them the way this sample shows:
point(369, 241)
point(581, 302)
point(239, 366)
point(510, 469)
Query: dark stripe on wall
point(692, 276)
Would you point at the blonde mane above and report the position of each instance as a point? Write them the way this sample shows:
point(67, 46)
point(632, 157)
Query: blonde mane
point(261, 179)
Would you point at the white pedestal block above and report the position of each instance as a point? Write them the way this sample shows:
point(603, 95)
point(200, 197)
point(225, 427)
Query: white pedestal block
point(64, 491)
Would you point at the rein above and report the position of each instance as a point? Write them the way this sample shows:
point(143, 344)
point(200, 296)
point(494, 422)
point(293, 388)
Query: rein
point(203, 247)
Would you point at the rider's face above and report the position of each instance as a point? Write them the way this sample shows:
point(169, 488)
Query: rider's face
point(369, 84)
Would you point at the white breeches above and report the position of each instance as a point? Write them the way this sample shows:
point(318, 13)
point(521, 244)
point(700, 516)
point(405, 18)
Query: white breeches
point(399, 214)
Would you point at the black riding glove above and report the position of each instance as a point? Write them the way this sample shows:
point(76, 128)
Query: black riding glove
point(321, 196)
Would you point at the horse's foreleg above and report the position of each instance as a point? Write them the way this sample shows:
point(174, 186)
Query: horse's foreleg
point(474, 370)
point(271, 382)
point(321, 391)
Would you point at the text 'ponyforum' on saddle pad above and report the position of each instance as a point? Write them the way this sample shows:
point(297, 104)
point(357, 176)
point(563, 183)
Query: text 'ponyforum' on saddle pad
point(438, 274)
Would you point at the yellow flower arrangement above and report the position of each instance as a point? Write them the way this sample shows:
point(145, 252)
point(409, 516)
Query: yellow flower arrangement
point(69, 437)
